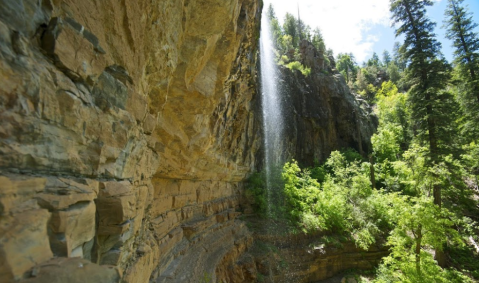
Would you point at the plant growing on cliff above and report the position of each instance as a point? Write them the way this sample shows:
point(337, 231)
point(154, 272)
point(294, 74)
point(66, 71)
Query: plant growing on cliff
point(347, 66)
point(295, 65)
point(206, 278)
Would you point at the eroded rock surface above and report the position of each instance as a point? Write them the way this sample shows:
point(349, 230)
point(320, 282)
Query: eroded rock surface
point(308, 258)
point(126, 128)
point(321, 113)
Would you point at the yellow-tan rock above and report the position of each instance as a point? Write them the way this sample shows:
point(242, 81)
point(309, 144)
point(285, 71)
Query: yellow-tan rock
point(126, 129)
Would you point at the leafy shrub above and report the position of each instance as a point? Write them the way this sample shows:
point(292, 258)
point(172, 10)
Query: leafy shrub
point(256, 189)
point(344, 202)
point(296, 65)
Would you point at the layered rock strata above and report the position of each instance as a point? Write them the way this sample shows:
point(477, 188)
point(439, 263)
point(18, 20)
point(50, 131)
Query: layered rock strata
point(126, 128)
point(305, 258)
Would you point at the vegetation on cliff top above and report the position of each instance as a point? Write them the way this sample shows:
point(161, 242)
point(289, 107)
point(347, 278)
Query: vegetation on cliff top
point(418, 190)
point(287, 40)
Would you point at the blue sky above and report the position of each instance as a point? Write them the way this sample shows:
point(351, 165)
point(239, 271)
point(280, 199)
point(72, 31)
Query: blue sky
point(361, 26)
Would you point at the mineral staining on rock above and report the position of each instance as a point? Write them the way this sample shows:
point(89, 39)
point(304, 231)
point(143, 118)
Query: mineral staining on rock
point(126, 130)
point(322, 113)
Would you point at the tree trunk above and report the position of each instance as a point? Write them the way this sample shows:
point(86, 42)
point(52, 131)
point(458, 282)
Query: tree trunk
point(371, 171)
point(418, 249)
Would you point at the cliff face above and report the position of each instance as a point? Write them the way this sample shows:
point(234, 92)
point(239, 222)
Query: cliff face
point(125, 130)
point(321, 113)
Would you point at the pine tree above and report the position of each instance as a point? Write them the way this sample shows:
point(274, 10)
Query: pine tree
point(270, 13)
point(290, 27)
point(275, 27)
point(346, 66)
point(318, 40)
point(397, 57)
point(460, 29)
point(466, 41)
point(374, 61)
point(428, 73)
point(386, 58)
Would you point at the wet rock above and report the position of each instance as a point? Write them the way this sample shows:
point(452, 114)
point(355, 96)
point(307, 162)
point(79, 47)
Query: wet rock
point(322, 115)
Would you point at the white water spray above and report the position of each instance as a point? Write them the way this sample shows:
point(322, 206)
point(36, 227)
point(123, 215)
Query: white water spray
point(271, 105)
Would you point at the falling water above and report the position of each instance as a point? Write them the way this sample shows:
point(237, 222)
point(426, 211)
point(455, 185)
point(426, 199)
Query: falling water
point(271, 105)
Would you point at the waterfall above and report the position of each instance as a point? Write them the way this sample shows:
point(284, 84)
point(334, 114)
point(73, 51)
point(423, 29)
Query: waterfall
point(271, 106)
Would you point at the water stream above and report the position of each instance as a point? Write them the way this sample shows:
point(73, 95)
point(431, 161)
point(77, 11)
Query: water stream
point(272, 108)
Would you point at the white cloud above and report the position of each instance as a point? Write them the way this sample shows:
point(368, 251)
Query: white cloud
point(344, 23)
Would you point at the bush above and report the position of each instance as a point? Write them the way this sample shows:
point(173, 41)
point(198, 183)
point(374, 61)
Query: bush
point(296, 65)
point(343, 203)
point(256, 189)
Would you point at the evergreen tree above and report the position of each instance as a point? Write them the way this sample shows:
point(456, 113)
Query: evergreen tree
point(318, 40)
point(374, 61)
point(393, 72)
point(397, 58)
point(270, 13)
point(466, 41)
point(275, 27)
point(460, 29)
point(346, 66)
point(427, 69)
point(290, 28)
point(304, 31)
point(428, 73)
point(386, 58)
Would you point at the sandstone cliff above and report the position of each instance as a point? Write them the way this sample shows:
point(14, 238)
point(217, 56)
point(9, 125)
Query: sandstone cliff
point(125, 129)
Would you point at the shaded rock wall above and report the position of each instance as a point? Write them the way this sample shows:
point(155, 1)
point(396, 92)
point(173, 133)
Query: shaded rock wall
point(126, 128)
point(321, 113)
point(304, 258)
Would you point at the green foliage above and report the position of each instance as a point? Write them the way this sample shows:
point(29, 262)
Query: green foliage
point(206, 278)
point(287, 40)
point(464, 258)
point(393, 72)
point(346, 66)
point(393, 114)
point(290, 28)
point(386, 58)
point(424, 162)
point(404, 270)
point(427, 72)
point(343, 203)
point(461, 30)
point(283, 60)
point(420, 225)
point(337, 196)
point(374, 61)
point(318, 41)
point(295, 65)
point(386, 143)
point(256, 189)
point(398, 58)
